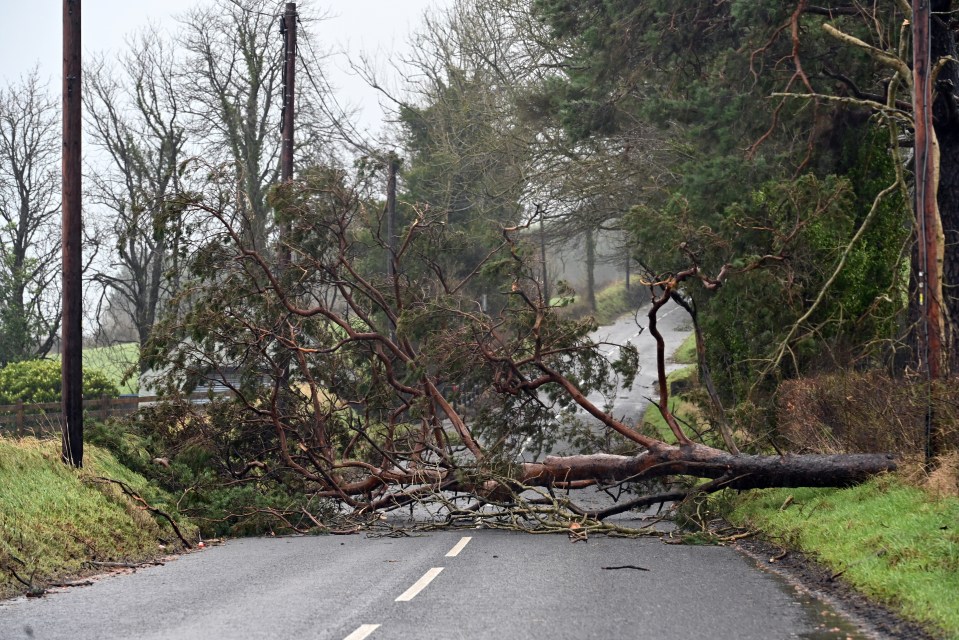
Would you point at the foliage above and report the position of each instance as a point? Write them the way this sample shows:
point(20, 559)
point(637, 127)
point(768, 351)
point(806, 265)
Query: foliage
point(375, 363)
point(856, 308)
point(865, 411)
point(354, 385)
point(889, 540)
point(702, 72)
point(207, 478)
point(784, 243)
point(39, 381)
point(466, 153)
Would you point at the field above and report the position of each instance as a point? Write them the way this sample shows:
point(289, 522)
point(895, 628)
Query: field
point(117, 361)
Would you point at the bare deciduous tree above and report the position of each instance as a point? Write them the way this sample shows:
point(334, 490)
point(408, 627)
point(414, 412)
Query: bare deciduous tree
point(232, 87)
point(137, 117)
point(29, 224)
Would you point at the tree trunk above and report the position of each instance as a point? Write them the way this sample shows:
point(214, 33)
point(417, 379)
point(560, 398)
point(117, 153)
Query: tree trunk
point(946, 118)
point(591, 269)
point(542, 252)
point(742, 472)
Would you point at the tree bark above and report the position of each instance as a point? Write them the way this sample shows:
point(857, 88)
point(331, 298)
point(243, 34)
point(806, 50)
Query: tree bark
point(946, 123)
point(591, 269)
point(743, 472)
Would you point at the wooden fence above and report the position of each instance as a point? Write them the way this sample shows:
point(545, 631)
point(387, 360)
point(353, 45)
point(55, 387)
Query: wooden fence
point(23, 419)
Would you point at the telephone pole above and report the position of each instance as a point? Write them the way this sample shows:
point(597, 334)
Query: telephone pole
point(929, 227)
point(71, 343)
point(392, 167)
point(288, 29)
point(284, 255)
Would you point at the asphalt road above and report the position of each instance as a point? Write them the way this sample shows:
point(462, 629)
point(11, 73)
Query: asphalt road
point(673, 323)
point(630, 404)
point(500, 585)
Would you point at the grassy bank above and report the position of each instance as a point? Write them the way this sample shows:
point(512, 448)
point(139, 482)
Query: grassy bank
point(892, 541)
point(55, 520)
point(686, 352)
point(685, 411)
point(682, 408)
point(612, 301)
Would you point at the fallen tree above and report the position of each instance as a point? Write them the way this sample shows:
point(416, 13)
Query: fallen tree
point(377, 391)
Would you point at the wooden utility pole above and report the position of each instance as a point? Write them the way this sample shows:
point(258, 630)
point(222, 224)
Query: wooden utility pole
point(288, 29)
point(392, 167)
point(629, 260)
point(542, 251)
point(930, 237)
point(71, 345)
point(284, 255)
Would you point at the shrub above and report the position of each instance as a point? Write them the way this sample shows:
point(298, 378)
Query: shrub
point(37, 381)
point(205, 450)
point(864, 411)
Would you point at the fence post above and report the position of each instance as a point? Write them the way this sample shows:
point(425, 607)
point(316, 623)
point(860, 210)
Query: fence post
point(19, 430)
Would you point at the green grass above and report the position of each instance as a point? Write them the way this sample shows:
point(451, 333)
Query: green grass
point(891, 541)
point(612, 302)
point(116, 361)
point(678, 406)
point(54, 519)
point(686, 352)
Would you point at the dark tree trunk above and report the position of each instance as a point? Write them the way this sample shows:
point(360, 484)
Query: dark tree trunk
point(591, 269)
point(946, 118)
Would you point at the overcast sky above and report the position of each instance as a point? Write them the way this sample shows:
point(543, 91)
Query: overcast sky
point(30, 34)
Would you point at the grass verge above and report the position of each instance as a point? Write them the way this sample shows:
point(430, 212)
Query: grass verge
point(891, 541)
point(686, 352)
point(55, 520)
point(685, 411)
point(612, 301)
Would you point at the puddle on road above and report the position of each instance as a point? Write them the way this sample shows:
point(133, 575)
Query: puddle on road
point(827, 623)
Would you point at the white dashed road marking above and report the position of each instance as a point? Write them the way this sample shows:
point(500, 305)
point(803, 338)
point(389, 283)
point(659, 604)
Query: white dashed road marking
point(363, 632)
point(419, 585)
point(455, 551)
